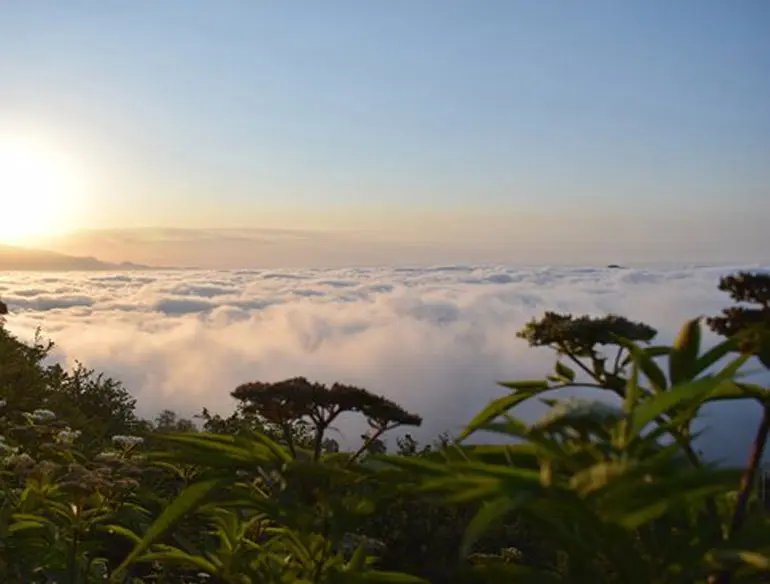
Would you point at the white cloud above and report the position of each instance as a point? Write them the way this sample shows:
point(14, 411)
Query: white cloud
point(434, 339)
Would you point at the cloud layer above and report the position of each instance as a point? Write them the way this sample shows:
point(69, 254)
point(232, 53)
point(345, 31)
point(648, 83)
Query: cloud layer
point(434, 339)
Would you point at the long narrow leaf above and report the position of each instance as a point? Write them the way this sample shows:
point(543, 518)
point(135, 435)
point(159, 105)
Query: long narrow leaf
point(499, 406)
point(676, 397)
point(182, 558)
point(714, 354)
point(682, 359)
point(490, 514)
point(187, 500)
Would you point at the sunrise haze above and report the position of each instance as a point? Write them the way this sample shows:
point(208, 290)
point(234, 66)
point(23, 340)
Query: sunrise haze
point(388, 133)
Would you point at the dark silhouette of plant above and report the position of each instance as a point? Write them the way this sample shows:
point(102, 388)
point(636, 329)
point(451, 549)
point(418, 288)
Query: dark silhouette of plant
point(167, 422)
point(750, 327)
point(297, 399)
point(581, 338)
point(580, 335)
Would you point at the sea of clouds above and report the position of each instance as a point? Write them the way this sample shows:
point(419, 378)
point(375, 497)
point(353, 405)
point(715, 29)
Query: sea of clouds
point(434, 339)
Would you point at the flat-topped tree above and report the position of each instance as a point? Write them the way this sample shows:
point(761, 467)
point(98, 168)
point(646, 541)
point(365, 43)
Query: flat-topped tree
point(580, 338)
point(284, 403)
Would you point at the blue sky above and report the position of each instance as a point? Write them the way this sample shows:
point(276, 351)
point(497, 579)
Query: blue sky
point(193, 113)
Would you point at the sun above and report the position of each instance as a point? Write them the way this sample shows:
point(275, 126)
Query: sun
point(37, 192)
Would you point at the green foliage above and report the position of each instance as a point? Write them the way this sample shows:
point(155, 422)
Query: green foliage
point(608, 490)
point(97, 406)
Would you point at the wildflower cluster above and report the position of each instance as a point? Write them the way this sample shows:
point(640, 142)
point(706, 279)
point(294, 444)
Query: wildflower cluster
point(40, 416)
point(127, 441)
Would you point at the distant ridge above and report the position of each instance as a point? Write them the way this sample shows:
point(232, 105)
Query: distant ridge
point(14, 258)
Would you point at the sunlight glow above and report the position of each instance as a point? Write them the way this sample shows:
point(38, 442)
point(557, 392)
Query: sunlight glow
point(38, 191)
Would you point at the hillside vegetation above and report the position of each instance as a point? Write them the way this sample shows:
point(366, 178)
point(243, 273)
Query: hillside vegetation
point(604, 491)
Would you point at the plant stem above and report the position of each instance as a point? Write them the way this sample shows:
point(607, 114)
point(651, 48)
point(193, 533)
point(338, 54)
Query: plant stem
point(366, 444)
point(746, 485)
point(72, 567)
point(288, 436)
point(579, 363)
point(750, 474)
point(616, 367)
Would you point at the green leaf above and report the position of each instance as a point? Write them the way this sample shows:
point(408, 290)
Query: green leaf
point(478, 491)
point(498, 407)
point(645, 502)
point(632, 385)
point(662, 403)
point(652, 371)
point(120, 530)
point(597, 476)
point(25, 526)
point(523, 477)
point(187, 500)
point(564, 372)
point(684, 354)
point(732, 557)
point(532, 385)
point(29, 517)
point(358, 560)
point(489, 514)
point(174, 556)
point(714, 354)
point(658, 351)
point(733, 390)
point(216, 451)
point(413, 464)
point(517, 429)
point(278, 451)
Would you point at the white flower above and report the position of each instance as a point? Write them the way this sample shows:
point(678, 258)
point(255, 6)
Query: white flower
point(127, 441)
point(43, 415)
point(67, 436)
point(7, 448)
point(3, 403)
point(22, 458)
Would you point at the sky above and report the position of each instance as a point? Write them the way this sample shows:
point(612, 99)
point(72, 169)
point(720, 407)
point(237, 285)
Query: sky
point(467, 129)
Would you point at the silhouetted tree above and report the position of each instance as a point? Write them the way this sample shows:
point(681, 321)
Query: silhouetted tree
point(297, 400)
point(168, 422)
